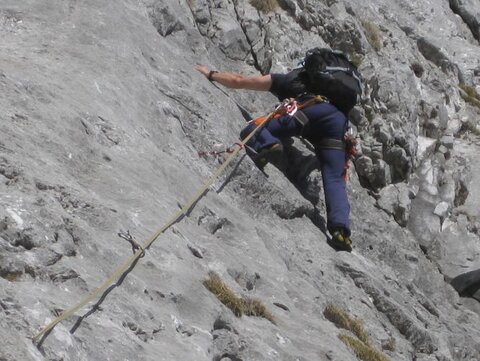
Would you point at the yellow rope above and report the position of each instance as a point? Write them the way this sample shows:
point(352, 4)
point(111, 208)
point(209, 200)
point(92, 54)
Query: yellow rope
point(175, 218)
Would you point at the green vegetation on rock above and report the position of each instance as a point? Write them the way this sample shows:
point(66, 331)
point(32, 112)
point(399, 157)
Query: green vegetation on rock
point(264, 6)
point(470, 95)
point(373, 34)
point(239, 306)
point(360, 344)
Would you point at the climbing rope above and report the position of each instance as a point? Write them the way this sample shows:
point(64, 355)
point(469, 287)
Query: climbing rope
point(131, 261)
point(288, 106)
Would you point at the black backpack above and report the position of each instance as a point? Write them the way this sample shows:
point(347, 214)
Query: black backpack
point(331, 74)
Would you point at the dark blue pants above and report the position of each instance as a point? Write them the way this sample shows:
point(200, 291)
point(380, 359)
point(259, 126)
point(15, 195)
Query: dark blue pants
point(325, 122)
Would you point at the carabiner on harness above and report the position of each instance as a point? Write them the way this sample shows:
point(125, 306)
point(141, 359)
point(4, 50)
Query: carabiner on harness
point(288, 106)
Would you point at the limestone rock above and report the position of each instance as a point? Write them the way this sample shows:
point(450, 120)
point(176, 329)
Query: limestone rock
point(103, 117)
point(396, 200)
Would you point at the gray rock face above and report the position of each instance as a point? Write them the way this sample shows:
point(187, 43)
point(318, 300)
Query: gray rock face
point(103, 116)
point(468, 284)
point(468, 11)
point(396, 200)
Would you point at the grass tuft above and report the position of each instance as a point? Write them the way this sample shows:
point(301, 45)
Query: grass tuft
point(343, 320)
point(361, 344)
point(225, 295)
point(255, 307)
point(370, 114)
point(363, 351)
point(11, 276)
point(470, 95)
point(239, 306)
point(390, 344)
point(355, 59)
point(373, 34)
point(336, 315)
point(265, 6)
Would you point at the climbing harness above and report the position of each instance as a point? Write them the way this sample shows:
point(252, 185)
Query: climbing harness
point(348, 145)
point(330, 143)
point(177, 217)
point(290, 107)
point(303, 120)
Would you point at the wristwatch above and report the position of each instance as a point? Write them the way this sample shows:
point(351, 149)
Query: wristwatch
point(210, 74)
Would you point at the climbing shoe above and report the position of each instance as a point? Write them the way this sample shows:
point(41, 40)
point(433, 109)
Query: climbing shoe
point(340, 240)
point(272, 154)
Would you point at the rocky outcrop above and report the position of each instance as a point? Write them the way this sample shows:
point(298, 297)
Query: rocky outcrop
point(468, 284)
point(468, 11)
point(103, 117)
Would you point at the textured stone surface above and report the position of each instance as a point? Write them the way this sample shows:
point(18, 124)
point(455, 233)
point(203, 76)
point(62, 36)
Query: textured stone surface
point(396, 200)
point(103, 116)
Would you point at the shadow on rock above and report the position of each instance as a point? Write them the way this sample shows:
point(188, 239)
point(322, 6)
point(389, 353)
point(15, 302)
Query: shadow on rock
point(468, 284)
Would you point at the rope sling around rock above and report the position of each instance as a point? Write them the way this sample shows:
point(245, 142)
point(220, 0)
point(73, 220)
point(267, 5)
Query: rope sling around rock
point(174, 219)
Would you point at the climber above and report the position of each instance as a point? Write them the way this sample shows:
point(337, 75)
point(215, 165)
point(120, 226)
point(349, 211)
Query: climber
point(321, 123)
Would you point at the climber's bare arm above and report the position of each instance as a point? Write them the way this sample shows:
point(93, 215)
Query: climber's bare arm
point(237, 81)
